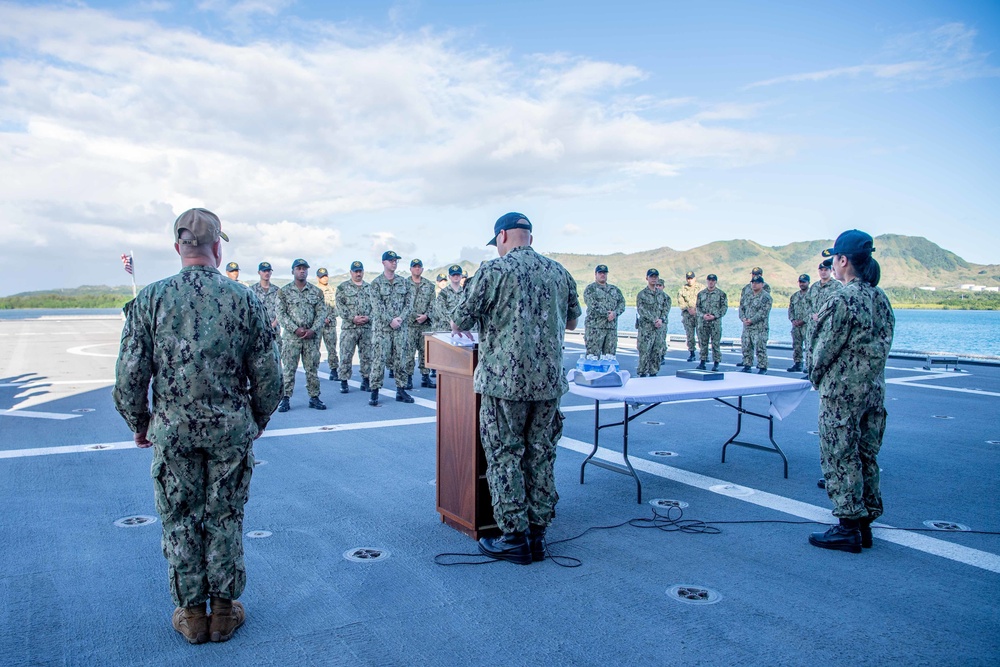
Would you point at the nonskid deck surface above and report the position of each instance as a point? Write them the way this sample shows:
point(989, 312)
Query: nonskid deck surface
point(76, 589)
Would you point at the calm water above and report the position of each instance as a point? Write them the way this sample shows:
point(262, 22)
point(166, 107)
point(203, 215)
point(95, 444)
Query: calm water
point(957, 331)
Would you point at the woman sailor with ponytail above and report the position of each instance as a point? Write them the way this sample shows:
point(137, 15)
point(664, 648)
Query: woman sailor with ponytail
point(850, 344)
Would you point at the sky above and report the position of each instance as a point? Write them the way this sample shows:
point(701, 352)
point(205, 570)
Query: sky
point(335, 131)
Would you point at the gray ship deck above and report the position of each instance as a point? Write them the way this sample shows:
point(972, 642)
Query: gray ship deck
point(75, 589)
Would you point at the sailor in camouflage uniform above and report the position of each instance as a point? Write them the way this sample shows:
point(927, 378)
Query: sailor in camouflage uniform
point(662, 333)
point(746, 343)
point(268, 295)
point(605, 304)
point(687, 300)
point(711, 307)
point(850, 345)
point(419, 324)
point(523, 303)
point(652, 310)
point(819, 293)
point(329, 319)
point(447, 299)
point(798, 315)
point(755, 311)
point(354, 309)
point(301, 311)
point(205, 343)
point(391, 299)
point(233, 271)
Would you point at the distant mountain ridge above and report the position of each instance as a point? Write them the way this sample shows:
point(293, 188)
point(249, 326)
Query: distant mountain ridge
point(906, 261)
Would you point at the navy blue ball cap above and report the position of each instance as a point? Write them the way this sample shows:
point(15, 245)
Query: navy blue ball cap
point(264, 266)
point(826, 264)
point(509, 221)
point(851, 242)
point(689, 274)
point(322, 273)
point(601, 268)
point(652, 272)
point(757, 279)
point(300, 262)
point(416, 262)
point(389, 255)
point(232, 266)
point(711, 276)
point(804, 278)
point(357, 266)
point(441, 277)
point(454, 270)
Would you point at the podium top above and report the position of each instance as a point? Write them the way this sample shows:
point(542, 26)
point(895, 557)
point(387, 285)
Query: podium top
point(458, 341)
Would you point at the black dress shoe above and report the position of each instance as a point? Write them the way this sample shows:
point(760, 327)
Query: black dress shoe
point(343, 387)
point(701, 366)
point(536, 543)
point(866, 533)
point(283, 406)
point(316, 404)
point(373, 401)
point(364, 385)
point(746, 369)
point(715, 366)
point(403, 397)
point(838, 538)
point(512, 547)
point(425, 381)
point(690, 357)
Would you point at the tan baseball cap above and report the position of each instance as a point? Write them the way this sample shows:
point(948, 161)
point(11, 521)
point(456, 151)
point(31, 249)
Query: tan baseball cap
point(203, 224)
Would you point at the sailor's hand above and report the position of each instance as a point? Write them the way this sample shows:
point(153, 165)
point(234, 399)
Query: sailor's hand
point(140, 440)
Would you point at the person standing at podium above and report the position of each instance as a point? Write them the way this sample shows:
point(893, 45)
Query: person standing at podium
point(523, 303)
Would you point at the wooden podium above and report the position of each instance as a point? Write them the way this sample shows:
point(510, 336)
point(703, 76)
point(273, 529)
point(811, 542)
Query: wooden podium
point(463, 495)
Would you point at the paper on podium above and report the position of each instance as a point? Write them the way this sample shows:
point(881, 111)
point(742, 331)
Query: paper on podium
point(458, 341)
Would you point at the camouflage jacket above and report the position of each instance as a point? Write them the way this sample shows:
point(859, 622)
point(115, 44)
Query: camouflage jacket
point(651, 305)
point(268, 297)
point(599, 299)
point(687, 296)
point(330, 301)
point(819, 294)
point(305, 308)
point(850, 344)
point(712, 302)
point(521, 302)
point(757, 309)
point(390, 300)
point(353, 300)
point(444, 306)
point(798, 306)
point(206, 345)
point(748, 290)
point(423, 302)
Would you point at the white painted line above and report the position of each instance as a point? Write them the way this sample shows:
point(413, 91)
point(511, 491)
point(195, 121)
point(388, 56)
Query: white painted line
point(956, 552)
point(70, 449)
point(82, 351)
point(31, 384)
point(354, 426)
point(36, 415)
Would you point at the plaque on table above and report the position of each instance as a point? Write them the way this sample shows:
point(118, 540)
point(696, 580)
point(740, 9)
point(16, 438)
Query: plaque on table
point(695, 374)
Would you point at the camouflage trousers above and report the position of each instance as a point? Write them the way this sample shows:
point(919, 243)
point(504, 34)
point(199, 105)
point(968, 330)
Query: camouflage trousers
point(710, 334)
point(293, 348)
point(756, 345)
point(651, 344)
point(798, 342)
point(200, 493)
point(809, 332)
point(388, 349)
point(519, 439)
point(600, 341)
point(850, 439)
point(746, 347)
point(350, 339)
point(330, 341)
point(690, 329)
point(415, 346)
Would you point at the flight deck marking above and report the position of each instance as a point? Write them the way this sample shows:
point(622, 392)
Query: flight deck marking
point(36, 415)
point(956, 552)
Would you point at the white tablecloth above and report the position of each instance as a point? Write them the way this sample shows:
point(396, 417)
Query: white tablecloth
point(785, 394)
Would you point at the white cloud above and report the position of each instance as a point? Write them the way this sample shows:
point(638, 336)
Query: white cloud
point(571, 229)
point(680, 204)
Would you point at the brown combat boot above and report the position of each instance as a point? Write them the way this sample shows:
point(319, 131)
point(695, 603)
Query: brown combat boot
point(192, 622)
point(227, 615)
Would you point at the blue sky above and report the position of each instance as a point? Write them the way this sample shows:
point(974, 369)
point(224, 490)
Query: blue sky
point(334, 131)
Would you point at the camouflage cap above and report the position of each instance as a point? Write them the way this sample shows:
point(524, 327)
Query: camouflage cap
point(601, 268)
point(264, 266)
point(357, 266)
point(389, 255)
point(804, 278)
point(322, 273)
point(455, 270)
point(689, 274)
point(416, 262)
point(757, 271)
point(300, 262)
point(652, 272)
point(232, 266)
point(204, 225)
